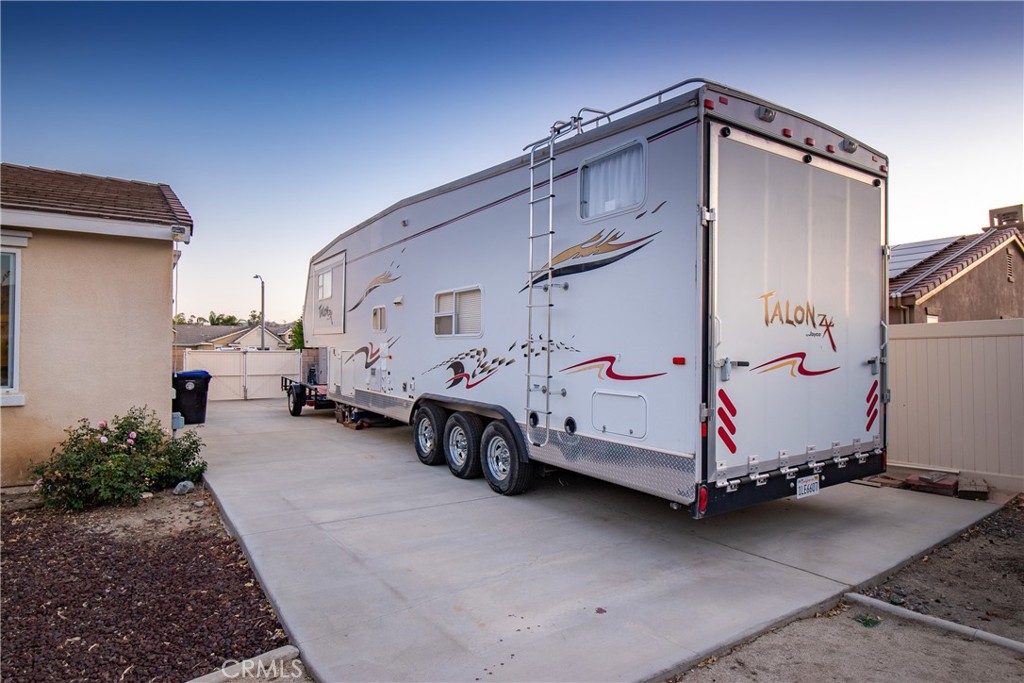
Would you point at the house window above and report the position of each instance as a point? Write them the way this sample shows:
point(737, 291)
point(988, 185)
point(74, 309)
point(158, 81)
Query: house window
point(9, 323)
point(614, 182)
point(457, 312)
point(1009, 264)
point(931, 318)
point(323, 286)
point(380, 321)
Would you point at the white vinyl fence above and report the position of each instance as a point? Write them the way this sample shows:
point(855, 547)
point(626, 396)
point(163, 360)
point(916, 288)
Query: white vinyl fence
point(958, 398)
point(245, 374)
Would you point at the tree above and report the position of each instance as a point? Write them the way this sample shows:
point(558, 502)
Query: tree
point(297, 341)
point(254, 318)
point(223, 319)
point(179, 319)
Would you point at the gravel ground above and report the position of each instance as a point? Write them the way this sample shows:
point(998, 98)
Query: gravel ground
point(976, 580)
point(158, 592)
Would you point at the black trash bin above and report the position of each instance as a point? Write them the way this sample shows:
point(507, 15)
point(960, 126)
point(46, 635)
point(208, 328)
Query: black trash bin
point(190, 390)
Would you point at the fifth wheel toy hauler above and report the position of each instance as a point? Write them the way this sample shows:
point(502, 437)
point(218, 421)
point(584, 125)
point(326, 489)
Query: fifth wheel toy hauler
point(684, 296)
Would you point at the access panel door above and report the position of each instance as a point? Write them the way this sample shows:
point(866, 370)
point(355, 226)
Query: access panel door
point(798, 310)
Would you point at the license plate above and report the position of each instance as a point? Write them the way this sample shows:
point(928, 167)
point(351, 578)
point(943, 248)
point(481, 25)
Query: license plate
point(807, 486)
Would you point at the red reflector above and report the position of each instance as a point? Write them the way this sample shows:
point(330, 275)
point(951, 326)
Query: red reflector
point(723, 100)
point(704, 430)
point(679, 360)
point(883, 168)
point(702, 503)
point(831, 149)
point(809, 142)
point(709, 104)
point(874, 158)
point(787, 132)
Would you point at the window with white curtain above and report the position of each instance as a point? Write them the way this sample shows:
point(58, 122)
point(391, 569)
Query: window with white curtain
point(458, 312)
point(613, 182)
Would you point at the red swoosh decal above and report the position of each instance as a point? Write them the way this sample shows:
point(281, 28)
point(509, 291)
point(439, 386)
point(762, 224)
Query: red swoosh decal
point(608, 369)
point(795, 362)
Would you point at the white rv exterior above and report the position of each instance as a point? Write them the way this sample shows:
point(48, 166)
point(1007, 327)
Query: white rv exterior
point(687, 298)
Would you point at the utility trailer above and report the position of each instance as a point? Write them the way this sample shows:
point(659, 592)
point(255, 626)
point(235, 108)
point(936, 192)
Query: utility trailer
point(684, 296)
point(308, 393)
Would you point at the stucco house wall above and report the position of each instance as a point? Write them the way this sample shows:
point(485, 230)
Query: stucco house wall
point(95, 329)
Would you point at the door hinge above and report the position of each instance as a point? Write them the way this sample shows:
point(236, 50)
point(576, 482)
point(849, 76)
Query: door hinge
point(707, 216)
point(704, 412)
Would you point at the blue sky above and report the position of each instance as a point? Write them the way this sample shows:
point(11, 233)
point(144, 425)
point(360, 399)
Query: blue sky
point(280, 125)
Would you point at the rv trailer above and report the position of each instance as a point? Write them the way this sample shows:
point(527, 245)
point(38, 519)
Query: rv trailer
point(684, 296)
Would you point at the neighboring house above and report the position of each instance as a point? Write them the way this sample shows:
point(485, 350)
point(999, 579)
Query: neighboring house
point(86, 304)
point(213, 337)
point(971, 277)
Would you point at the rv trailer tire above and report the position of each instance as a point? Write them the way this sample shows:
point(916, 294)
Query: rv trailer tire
point(505, 471)
point(296, 398)
point(428, 434)
point(462, 436)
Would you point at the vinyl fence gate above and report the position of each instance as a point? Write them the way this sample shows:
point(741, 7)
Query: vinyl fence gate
point(244, 374)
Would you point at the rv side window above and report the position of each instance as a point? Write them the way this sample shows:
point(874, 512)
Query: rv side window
point(613, 182)
point(323, 286)
point(380, 321)
point(457, 312)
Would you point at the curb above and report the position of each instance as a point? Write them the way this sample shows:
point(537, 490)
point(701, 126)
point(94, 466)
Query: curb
point(252, 668)
point(960, 629)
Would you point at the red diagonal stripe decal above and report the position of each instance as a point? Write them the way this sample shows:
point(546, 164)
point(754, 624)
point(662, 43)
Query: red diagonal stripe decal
point(726, 422)
point(871, 406)
point(871, 421)
point(872, 391)
point(724, 398)
point(727, 440)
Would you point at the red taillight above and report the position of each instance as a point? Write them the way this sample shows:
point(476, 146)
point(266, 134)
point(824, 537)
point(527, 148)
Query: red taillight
point(831, 149)
point(679, 360)
point(883, 168)
point(702, 500)
point(723, 99)
point(786, 132)
point(809, 142)
point(709, 104)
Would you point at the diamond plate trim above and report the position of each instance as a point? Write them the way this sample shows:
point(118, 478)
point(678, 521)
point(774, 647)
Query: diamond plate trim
point(661, 474)
point(391, 406)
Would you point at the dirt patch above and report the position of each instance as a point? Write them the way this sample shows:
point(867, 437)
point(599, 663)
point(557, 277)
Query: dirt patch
point(156, 592)
point(976, 579)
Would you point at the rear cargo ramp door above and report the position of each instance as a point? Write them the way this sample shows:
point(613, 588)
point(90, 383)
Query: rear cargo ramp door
point(797, 307)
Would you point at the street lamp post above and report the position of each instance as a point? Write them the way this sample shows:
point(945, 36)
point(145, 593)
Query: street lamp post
point(263, 317)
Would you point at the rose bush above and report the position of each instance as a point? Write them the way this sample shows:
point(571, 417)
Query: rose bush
point(115, 463)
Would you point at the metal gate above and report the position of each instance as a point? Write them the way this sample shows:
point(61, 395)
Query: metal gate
point(243, 374)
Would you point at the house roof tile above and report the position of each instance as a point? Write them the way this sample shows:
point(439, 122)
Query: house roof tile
point(191, 335)
point(39, 189)
point(948, 262)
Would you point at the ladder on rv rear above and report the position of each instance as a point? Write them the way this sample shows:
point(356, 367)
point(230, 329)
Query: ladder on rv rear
point(539, 303)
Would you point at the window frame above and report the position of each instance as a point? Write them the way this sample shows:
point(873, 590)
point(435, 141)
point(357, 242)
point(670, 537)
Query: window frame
point(589, 161)
point(453, 315)
point(10, 395)
point(379, 323)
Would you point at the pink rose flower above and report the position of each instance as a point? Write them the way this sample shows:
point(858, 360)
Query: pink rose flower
point(131, 435)
point(131, 442)
point(103, 439)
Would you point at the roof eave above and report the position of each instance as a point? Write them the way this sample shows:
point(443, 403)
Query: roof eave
point(48, 220)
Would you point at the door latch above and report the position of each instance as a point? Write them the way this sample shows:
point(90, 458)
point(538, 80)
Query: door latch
point(725, 365)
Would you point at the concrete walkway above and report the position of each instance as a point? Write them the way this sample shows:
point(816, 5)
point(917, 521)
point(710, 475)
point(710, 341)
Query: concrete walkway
point(382, 569)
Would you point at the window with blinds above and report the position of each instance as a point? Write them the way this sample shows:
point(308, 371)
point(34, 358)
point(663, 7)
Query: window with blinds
point(614, 182)
point(458, 312)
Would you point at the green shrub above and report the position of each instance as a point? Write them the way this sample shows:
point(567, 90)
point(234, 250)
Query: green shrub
point(114, 464)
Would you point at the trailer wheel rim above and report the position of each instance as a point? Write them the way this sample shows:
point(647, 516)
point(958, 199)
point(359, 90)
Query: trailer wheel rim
point(499, 458)
point(291, 399)
point(458, 446)
point(425, 434)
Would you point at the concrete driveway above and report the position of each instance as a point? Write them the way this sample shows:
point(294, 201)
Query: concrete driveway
point(382, 569)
